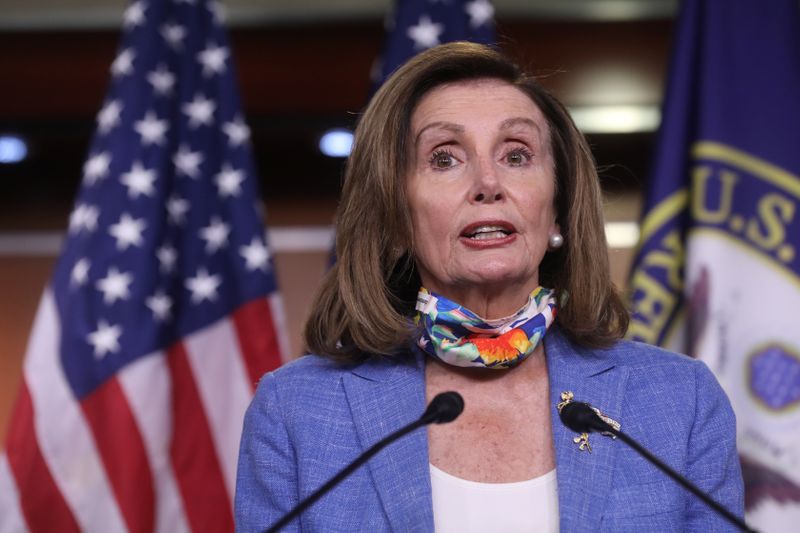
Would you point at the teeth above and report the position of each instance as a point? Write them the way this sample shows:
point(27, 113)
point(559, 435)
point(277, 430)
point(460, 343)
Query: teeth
point(490, 235)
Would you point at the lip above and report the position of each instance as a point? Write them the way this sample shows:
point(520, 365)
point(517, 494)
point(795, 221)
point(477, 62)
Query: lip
point(483, 244)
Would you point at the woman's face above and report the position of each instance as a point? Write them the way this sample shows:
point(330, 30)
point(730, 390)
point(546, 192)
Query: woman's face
point(481, 188)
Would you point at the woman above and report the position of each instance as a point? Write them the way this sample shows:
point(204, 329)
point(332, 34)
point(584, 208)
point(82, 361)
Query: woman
point(470, 217)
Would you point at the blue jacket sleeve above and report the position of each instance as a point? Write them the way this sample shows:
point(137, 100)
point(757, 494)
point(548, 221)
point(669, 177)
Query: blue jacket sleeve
point(266, 482)
point(713, 462)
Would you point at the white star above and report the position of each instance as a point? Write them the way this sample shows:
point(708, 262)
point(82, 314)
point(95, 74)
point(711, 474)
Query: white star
point(229, 181)
point(151, 129)
point(480, 12)
point(115, 286)
point(167, 255)
point(426, 33)
point(187, 162)
point(217, 11)
point(203, 286)
point(213, 59)
point(162, 80)
point(128, 231)
point(108, 117)
point(255, 254)
point(160, 304)
point(215, 235)
point(134, 14)
point(83, 217)
point(105, 339)
point(177, 208)
point(237, 131)
point(123, 64)
point(200, 111)
point(139, 180)
point(79, 274)
point(96, 168)
point(173, 34)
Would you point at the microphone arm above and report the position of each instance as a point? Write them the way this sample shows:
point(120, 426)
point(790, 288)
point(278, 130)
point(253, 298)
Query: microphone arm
point(445, 407)
point(581, 417)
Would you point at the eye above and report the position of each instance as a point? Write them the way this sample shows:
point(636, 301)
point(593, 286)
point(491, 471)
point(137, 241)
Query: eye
point(442, 159)
point(518, 157)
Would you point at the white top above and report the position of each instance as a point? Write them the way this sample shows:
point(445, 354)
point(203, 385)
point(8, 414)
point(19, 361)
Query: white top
point(466, 506)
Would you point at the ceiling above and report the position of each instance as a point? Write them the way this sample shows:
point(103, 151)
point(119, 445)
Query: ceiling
point(82, 14)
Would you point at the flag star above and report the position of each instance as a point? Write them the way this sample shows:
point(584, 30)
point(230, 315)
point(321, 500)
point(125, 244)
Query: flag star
point(162, 80)
point(105, 339)
point(84, 216)
point(237, 131)
point(128, 231)
point(115, 286)
point(426, 33)
point(203, 286)
point(167, 256)
point(187, 162)
point(217, 11)
point(215, 235)
point(255, 254)
point(151, 129)
point(480, 12)
point(123, 64)
point(173, 34)
point(177, 208)
point(108, 117)
point(213, 59)
point(96, 168)
point(200, 111)
point(79, 274)
point(229, 181)
point(139, 180)
point(160, 304)
point(134, 14)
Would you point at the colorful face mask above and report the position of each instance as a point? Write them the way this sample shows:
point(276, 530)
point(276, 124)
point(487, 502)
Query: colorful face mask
point(459, 337)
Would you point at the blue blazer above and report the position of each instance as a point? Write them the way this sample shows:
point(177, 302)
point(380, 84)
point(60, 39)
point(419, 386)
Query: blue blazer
point(312, 417)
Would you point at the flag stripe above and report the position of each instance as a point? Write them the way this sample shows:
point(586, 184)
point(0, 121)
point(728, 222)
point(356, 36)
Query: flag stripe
point(255, 329)
point(64, 438)
point(154, 417)
point(194, 459)
point(11, 520)
point(223, 386)
point(32, 476)
point(123, 453)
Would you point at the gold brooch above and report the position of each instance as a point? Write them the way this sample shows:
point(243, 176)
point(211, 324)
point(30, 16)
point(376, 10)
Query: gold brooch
point(582, 440)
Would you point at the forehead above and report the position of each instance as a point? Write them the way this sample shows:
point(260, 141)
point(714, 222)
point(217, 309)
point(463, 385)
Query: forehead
point(484, 100)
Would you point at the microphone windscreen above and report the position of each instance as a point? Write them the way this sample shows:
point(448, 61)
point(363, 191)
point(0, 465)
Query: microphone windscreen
point(581, 418)
point(445, 407)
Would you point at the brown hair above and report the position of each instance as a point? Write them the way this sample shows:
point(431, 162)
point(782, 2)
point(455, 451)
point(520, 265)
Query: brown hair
point(365, 301)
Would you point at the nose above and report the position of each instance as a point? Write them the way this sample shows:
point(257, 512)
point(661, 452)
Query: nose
point(487, 187)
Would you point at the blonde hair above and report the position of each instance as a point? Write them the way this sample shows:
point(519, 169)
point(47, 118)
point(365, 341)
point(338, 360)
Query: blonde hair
point(364, 303)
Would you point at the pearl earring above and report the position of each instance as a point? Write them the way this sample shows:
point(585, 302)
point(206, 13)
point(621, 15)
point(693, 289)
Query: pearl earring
point(555, 241)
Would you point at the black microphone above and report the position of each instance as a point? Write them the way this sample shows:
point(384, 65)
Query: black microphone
point(583, 418)
point(445, 407)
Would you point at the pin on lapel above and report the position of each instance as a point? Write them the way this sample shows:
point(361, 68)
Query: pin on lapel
point(582, 440)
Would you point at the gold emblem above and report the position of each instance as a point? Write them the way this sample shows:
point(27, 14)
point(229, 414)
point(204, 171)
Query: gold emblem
point(582, 440)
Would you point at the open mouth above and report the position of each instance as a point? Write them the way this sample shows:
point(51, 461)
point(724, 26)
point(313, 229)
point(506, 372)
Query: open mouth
point(487, 231)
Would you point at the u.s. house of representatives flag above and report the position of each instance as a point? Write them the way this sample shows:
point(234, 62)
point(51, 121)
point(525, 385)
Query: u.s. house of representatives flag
point(160, 316)
point(717, 275)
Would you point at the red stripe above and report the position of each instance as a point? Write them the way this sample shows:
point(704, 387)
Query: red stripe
point(194, 459)
point(258, 340)
point(124, 456)
point(43, 506)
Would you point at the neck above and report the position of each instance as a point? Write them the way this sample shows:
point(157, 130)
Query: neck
point(488, 302)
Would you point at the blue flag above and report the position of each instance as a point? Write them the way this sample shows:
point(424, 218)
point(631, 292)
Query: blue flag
point(717, 274)
point(416, 25)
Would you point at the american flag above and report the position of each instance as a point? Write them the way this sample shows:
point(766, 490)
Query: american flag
point(162, 313)
point(416, 25)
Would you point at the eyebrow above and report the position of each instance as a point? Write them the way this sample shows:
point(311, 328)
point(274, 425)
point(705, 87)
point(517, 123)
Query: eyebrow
point(510, 122)
point(457, 128)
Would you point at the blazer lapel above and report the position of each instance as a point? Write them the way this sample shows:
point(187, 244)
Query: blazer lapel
point(584, 478)
point(383, 397)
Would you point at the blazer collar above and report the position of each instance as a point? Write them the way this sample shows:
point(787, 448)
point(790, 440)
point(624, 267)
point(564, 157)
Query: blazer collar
point(584, 478)
point(384, 396)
